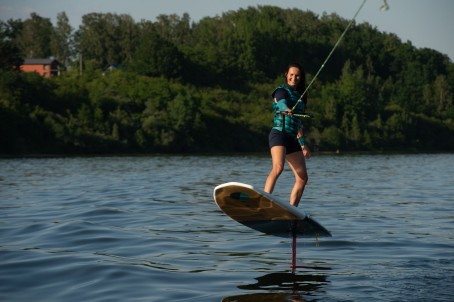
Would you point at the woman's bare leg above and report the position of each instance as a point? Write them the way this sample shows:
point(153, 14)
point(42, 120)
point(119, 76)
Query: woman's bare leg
point(297, 163)
point(278, 159)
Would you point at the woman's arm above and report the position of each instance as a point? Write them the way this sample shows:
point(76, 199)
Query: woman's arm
point(301, 140)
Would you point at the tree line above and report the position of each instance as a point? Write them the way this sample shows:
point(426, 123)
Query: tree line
point(183, 86)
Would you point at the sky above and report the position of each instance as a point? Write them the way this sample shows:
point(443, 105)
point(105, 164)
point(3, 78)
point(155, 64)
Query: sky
point(425, 23)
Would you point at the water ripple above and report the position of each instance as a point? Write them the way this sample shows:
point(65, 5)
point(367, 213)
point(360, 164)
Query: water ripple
point(146, 229)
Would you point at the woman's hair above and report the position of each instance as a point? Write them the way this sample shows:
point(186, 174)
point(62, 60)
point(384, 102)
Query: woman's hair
point(302, 84)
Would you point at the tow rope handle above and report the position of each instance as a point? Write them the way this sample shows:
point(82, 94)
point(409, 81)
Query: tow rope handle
point(303, 115)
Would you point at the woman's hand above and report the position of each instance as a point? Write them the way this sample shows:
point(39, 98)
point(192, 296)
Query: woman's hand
point(306, 151)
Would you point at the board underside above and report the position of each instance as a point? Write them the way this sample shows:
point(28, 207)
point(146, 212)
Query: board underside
point(264, 213)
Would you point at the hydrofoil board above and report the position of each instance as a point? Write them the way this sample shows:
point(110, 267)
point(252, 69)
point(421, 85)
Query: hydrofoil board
point(265, 213)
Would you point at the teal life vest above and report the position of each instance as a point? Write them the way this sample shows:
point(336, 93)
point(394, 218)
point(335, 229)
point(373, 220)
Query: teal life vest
point(287, 124)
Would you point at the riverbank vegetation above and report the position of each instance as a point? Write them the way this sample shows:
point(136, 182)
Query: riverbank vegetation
point(172, 85)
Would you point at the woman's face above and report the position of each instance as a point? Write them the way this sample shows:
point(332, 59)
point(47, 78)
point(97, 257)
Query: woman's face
point(293, 77)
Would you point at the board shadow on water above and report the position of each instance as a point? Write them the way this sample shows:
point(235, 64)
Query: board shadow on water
point(277, 287)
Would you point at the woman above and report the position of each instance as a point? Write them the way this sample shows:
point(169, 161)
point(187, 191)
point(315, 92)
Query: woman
point(286, 138)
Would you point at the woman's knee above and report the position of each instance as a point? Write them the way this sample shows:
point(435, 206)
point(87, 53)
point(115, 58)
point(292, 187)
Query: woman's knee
point(278, 169)
point(305, 178)
point(302, 178)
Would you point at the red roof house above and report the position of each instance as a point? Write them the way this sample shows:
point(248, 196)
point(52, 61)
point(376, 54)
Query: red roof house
point(45, 67)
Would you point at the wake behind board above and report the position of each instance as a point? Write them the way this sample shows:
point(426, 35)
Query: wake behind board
point(264, 212)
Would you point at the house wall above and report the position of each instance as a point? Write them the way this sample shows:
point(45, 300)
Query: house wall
point(45, 70)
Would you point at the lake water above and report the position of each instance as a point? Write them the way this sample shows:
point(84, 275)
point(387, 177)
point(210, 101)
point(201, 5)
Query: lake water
point(146, 229)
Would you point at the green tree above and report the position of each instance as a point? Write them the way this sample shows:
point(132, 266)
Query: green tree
point(332, 139)
point(106, 38)
point(442, 98)
point(10, 54)
point(62, 42)
point(174, 28)
point(156, 56)
point(35, 37)
point(128, 34)
point(205, 86)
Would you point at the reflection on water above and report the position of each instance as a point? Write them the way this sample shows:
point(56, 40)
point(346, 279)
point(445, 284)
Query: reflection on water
point(266, 297)
point(287, 282)
point(276, 287)
point(281, 287)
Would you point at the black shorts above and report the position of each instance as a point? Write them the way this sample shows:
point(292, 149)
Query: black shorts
point(278, 138)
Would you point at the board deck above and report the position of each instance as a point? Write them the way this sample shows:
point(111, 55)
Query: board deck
point(265, 213)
